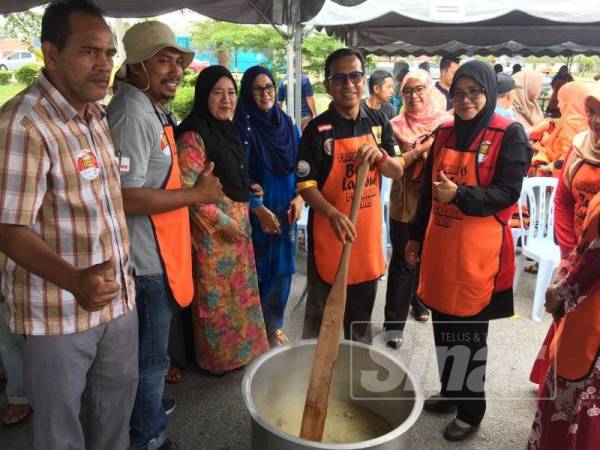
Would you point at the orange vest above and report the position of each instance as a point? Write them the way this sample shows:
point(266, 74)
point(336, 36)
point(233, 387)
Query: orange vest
point(172, 231)
point(466, 259)
point(366, 259)
point(576, 345)
point(584, 186)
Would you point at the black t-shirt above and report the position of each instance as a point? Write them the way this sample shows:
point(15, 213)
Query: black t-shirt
point(316, 146)
point(389, 111)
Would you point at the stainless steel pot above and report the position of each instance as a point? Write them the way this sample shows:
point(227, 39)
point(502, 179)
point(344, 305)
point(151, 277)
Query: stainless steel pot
point(363, 375)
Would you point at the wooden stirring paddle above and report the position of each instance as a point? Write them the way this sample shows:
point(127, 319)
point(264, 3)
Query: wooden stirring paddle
point(326, 352)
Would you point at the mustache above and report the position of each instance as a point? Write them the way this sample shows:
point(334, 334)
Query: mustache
point(99, 79)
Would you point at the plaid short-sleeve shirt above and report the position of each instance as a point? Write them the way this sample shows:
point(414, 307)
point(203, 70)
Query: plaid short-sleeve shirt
point(60, 178)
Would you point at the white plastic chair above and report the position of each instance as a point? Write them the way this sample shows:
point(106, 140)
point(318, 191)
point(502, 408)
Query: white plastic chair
point(538, 240)
point(302, 224)
point(520, 231)
point(386, 187)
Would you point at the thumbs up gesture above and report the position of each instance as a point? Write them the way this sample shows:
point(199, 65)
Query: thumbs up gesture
point(444, 190)
point(93, 288)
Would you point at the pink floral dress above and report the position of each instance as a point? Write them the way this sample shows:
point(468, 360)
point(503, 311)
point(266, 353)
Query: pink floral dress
point(229, 329)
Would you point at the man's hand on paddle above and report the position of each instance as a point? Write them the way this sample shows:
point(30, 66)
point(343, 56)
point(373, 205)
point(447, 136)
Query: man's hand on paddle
point(369, 152)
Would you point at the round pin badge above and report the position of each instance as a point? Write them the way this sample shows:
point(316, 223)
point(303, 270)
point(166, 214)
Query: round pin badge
point(87, 164)
point(303, 168)
point(328, 146)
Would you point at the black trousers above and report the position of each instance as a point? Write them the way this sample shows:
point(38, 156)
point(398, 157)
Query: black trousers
point(461, 350)
point(359, 306)
point(402, 281)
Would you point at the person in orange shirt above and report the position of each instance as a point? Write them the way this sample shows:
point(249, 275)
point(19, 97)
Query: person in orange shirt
point(553, 147)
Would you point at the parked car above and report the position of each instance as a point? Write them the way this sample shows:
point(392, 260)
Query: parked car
point(16, 60)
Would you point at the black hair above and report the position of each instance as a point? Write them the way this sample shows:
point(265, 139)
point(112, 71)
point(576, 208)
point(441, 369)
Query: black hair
point(377, 78)
point(445, 63)
point(425, 66)
point(516, 68)
point(498, 68)
point(56, 22)
point(341, 53)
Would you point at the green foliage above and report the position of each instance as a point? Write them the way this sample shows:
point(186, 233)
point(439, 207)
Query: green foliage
point(223, 37)
point(27, 74)
point(5, 77)
point(27, 24)
point(318, 87)
point(315, 50)
point(183, 102)
point(189, 80)
point(586, 63)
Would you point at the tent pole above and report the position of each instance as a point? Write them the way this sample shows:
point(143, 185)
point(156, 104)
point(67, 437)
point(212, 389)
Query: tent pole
point(298, 73)
point(289, 104)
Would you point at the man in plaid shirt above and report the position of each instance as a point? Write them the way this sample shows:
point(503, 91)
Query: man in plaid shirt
point(63, 240)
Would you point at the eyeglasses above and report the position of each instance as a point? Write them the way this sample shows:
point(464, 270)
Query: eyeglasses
point(418, 90)
point(470, 94)
point(261, 90)
point(340, 78)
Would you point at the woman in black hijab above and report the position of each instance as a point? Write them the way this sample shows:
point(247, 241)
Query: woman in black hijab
point(229, 329)
point(460, 234)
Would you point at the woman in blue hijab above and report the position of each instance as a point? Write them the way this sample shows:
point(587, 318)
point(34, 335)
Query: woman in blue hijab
point(271, 142)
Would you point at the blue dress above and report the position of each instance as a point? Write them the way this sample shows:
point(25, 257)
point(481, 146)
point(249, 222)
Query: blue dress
point(274, 254)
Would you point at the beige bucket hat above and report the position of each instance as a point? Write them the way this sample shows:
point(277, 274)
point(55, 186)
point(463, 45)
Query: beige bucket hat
point(145, 39)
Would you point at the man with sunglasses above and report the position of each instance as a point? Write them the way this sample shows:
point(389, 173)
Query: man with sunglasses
point(331, 150)
point(155, 205)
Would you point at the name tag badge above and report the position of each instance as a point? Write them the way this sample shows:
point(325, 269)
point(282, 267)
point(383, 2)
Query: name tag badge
point(88, 165)
point(377, 133)
point(164, 145)
point(124, 164)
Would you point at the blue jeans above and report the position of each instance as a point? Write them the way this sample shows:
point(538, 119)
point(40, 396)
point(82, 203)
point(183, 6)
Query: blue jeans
point(148, 420)
point(11, 354)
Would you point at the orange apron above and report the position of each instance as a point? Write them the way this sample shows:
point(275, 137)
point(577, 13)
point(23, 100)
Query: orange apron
point(172, 231)
point(576, 344)
point(466, 259)
point(366, 261)
point(584, 186)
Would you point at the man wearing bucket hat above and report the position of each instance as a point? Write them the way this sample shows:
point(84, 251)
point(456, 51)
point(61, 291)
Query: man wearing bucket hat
point(156, 208)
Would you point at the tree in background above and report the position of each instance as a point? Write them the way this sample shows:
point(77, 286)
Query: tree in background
point(223, 37)
point(26, 25)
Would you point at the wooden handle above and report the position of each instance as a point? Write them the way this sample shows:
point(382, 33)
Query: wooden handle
point(317, 398)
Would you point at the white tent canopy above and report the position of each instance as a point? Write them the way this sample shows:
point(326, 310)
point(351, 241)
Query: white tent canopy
point(375, 24)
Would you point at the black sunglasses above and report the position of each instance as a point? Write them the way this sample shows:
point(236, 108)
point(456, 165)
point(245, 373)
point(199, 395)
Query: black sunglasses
point(341, 77)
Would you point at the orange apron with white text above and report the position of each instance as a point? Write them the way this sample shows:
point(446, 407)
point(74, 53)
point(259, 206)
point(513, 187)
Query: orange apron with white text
point(465, 259)
point(172, 230)
point(576, 344)
point(366, 261)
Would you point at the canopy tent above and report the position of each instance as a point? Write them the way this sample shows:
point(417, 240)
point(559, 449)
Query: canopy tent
point(454, 49)
point(279, 12)
point(275, 12)
point(435, 26)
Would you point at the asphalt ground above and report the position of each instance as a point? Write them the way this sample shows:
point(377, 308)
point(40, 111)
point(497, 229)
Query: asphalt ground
point(210, 413)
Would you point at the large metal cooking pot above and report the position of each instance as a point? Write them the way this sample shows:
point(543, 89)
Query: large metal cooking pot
point(363, 375)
